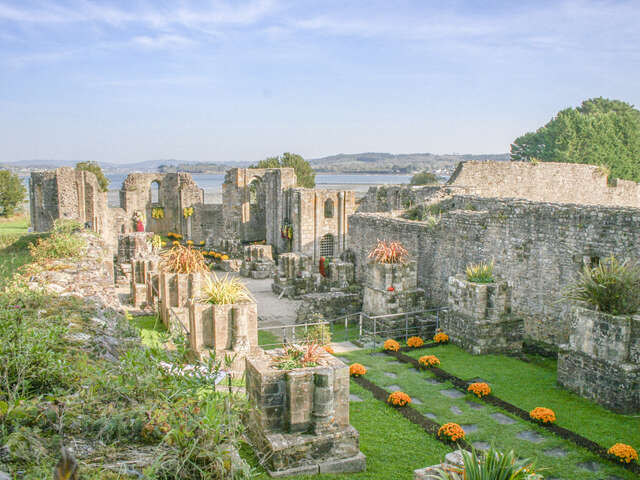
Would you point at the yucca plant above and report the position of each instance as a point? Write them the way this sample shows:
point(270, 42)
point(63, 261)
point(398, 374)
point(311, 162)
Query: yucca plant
point(181, 259)
point(389, 252)
point(610, 286)
point(480, 272)
point(226, 290)
point(493, 465)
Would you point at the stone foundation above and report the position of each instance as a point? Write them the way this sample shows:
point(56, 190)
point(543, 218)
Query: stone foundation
point(391, 288)
point(479, 317)
point(301, 423)
point(602, 359)
point(141, 269)
point(330, 305)
point(257, 262)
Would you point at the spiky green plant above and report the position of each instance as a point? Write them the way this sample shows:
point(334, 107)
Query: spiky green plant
point(226, 290)
point(610, 286)
point(493, 465)
point(480, 272)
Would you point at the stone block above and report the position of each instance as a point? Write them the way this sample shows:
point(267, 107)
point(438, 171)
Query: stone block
point(176, 290)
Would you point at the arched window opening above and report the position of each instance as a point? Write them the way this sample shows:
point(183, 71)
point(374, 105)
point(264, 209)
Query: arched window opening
point(253, 191)
point(327, 245)
point(328, 208)
point(155, 191)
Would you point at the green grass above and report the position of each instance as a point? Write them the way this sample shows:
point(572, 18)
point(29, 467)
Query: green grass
point(14, 243)
point(152, 330)
point(394, 447)
point(530, 385)
point(17, 225)
point(523, 379)
point(268, 340)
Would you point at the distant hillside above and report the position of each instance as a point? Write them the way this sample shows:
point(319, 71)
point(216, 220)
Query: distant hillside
point(372, 162)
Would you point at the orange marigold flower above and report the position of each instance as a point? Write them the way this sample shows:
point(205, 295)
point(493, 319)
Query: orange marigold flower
point(415, 342)
point(625, 453)
point(481, 389)
point(175, 242)
point(328, 349)
point(391, 345)
point(357, 370)
point(441, 337)
point(542, 414)
point(399, 399)
point(451, 431)
point(429, 361)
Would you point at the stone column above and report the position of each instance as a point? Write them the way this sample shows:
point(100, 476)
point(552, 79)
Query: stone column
point(323, 409)
point(300, 395)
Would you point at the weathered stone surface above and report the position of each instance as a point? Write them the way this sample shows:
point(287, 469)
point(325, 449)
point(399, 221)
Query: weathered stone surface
point(329, 304)
point(531, 436)
point(391, 288)
point(452, 393)
point(502, 419)
point(176, 291)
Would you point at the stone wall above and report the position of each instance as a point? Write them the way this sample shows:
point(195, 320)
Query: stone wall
point(386, 198)
point(538, 248)
point(545, 182)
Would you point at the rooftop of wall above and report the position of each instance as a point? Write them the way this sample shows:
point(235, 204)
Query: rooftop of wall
point(63, 172)
point(545, 182)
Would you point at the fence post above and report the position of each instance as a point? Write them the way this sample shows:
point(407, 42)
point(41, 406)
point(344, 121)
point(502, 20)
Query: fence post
point(346, 328)
point(406, 327)
point(375, 324)
point(360, 324)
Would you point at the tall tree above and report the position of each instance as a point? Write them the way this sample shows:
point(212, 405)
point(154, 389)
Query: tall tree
point(12, 193)
point(96, 169)
point(599, 132)
point(304, 172)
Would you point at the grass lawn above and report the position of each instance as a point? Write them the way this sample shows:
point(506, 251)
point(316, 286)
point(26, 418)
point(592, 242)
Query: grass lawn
point(14, 242)
point(522, 378)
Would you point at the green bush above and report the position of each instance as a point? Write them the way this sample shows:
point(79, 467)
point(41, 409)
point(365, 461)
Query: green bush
point(12, 193)
point(610, 286)
point(480, 272)
point(62, 242)
point(493, 465)
point(424, 178)
point(96, 169)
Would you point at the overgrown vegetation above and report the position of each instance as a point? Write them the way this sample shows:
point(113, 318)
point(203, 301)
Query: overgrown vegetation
point(181, 259)
point(424, 178)
point(60, 242)
point(12, 193)
point(225, 290)
point(424, 213)
point(611, 286)
point(480, 272)
point(96, 169)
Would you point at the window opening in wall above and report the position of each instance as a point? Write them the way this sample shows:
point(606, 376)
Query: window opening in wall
point(155, 192)
point(328, 208)
point(327, 245)
point(253, 191)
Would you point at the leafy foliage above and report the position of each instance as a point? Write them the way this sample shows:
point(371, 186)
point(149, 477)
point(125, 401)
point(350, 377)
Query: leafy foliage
point(181, 259)
point(226, 290)
point(423, 178)
point(96, 169)
point(493, 465)
point(12, 193)
point(599, 132)
point(304, 172)
point(610, 286)
point(389, 252)
point(299, 356)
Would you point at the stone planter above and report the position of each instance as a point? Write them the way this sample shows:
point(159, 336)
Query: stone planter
point(224, 329)
point(301, 423)
point(479, 318)
point(176, 291)
point(140, 270)
point(602, 359)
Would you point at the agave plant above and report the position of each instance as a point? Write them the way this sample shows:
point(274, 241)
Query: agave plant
point(226, 290)
point(493, 465)
point(610, 286)
point(181, 259)
point(389, 252)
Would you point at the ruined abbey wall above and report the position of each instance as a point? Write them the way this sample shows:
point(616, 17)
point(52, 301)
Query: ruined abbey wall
point(545, 182)
point(537, 247)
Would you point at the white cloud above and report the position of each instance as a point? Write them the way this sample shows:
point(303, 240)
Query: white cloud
point(168, 41)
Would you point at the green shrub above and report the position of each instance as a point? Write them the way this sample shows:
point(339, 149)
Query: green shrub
point(480, 272)
point(61, 242)
point(320, 334)
point(610, 286)
point(424, 178)
point(226, 290)
point(493, 465)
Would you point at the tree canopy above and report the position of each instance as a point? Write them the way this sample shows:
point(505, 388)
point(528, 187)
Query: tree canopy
point(96, 169)
point(12, 193)
point(599, 132)
point(423, 178)
point(304, 172)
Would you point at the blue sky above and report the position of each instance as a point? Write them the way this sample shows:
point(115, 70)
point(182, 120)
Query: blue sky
point(240, 80)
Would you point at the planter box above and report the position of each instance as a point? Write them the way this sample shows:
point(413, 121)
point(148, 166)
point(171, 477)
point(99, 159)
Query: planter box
point(479, 318)
point(176, 291)
point(301, 423)
point(602, 359)
point(224, 329)
point(140, 269)
point(404, 295)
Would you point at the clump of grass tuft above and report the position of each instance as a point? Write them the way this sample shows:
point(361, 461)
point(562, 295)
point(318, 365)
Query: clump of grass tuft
point(181, 259)
point(480, 272)
point(389, 252)
point(62, 242)
point(226, 290)
point(610, 286)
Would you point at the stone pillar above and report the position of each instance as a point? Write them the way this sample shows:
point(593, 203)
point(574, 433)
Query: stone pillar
point(176, 290)
point(323, 401)
point(300, 395)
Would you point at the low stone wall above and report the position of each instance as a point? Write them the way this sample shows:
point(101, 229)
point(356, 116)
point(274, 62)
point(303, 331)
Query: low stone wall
point(329, 304)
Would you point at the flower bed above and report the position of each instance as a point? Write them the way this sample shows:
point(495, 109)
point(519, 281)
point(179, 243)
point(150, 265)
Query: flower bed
point(357, 370)
point(391, 345)
point(428, 361)
point(441, 337)
point(623, 452)
point(398, 399)
point(451, 432)
point(480, 389)
point(415, 342)
point(542, 414)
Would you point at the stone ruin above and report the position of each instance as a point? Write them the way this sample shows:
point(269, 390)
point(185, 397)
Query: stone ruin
point(257, 262)
point(479, 317)
point(601, 361)
point(301, 423)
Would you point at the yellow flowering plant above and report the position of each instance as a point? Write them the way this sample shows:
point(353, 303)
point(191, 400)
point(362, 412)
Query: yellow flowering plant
point(428, 361)
point(623, 452)
point(480, 389)
point(441, 337)
point(391, 345)
point(415, 342)
point(543, 415)
point(357, 370)
point(451, 431)
point(398, 399)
